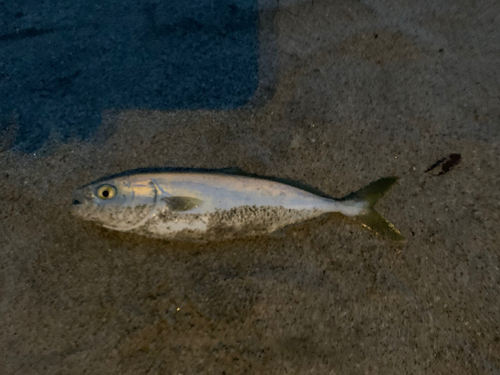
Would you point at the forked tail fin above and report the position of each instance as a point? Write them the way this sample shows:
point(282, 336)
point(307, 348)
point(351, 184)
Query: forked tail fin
point(370, 218)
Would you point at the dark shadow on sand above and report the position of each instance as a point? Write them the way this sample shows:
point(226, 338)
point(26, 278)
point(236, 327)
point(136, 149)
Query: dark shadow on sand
point(63, 63)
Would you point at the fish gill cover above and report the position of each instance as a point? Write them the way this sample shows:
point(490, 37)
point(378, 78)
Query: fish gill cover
point(63, 62)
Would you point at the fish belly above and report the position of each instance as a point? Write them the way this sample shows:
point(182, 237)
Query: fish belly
point(222, 224)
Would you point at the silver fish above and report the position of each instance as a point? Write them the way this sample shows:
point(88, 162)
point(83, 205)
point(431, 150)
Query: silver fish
point(212, 206)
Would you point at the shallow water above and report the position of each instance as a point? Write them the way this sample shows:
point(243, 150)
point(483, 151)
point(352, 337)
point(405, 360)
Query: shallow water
point(348, 93)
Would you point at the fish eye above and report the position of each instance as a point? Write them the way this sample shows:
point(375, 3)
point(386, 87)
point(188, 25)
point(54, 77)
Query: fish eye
point(106, 192)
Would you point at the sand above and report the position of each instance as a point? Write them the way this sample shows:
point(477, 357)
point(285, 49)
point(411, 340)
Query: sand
point(349, 92)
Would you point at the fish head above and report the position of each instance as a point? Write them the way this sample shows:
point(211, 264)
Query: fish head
point(119, 203)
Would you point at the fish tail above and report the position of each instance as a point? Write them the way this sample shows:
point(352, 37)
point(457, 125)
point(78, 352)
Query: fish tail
point(370, 218)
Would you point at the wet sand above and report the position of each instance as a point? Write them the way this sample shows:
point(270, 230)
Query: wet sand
point(350, 92)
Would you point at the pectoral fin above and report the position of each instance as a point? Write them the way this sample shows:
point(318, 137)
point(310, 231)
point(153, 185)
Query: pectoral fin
point(182, 203)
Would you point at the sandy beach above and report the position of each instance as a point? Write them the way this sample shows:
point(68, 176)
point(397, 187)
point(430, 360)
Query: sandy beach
point(345, 93)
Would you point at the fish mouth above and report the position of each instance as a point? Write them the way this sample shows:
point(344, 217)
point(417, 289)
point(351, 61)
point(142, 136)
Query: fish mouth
point(77, 206)
point(80, 199)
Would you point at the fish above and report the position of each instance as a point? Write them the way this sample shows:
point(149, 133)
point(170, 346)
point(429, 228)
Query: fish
point(210, 206)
